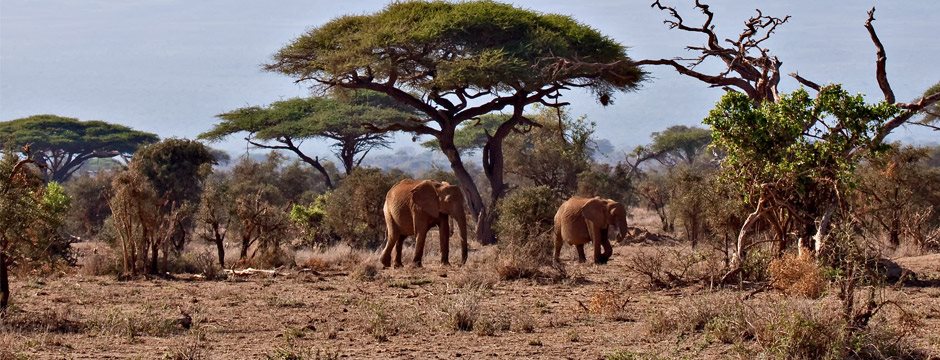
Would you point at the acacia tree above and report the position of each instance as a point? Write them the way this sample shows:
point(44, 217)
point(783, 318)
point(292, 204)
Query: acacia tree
point(454, 62)
point(284, 125)
point(752, 75)
point(60, 145)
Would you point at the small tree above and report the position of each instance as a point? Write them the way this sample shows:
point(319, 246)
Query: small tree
point(60, 145)
point(552, 154)
point(135, 209)
point(899, 196)
point(176, 168)
point(17, 215)
point(797, 154)
point(215, 214)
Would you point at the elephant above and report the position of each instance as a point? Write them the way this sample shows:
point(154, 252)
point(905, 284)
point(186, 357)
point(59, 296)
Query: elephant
point(412, 207)
point(582, 220)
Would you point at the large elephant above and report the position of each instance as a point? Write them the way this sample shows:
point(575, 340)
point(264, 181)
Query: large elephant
point(412, 207)
point(582, 220)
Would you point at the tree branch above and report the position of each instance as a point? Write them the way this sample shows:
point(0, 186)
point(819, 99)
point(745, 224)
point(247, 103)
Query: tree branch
point(882, 57)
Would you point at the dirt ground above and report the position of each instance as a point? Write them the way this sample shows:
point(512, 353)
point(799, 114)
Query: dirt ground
point(400, 313)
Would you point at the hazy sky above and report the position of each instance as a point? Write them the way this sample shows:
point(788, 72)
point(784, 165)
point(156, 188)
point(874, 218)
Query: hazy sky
point(168, 66)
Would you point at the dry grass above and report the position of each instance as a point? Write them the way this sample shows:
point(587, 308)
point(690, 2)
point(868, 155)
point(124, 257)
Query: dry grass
point(339, 256)
point(783, 328)
point(457, 311)
point(797, 276)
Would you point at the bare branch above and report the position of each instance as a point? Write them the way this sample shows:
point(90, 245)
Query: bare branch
point(882, 57)
point(805, 82)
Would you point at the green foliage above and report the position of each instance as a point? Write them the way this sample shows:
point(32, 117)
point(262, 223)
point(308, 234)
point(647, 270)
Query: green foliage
point(473, 135)
point(552, 154)
point(526, 212)
point(63, 144)
point(89, 193)
point(440, 46)
point(680, 143)
point(931, 113)
point(175, 167)
point(798, 139)
point(311, 219)
point(51, 243)
point(339, 118)
point(354, 209)
point(606, 181)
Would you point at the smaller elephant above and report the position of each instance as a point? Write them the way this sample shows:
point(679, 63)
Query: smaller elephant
point(413, 207)
point(582, 220)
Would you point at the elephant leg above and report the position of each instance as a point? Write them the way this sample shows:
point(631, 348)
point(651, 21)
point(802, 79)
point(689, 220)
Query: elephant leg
point(419, 247)
point(558, 242)
point(390, 243)
point(581, 257)
point(601, 248)
point(444, 227)
point(608, 249)
point(399, 244)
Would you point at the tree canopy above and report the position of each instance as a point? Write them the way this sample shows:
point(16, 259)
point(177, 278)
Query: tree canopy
point(456, 61)
point(798, 154)
point(338, 117)
point(60, 145)
point(931, 113)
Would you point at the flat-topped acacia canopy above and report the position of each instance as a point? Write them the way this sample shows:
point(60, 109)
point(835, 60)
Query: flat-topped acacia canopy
point(63, 144)
point(447, 53)
point(457, 61)
point(339, 117)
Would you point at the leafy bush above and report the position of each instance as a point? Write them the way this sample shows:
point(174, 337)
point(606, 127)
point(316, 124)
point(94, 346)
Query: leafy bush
point(311, 222)
point(526, 212)
point(354, 209)
point(90, 208)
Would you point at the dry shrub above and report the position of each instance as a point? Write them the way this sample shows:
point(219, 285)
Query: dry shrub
point(523, 323)
point(609, 304)
point(60, 320)
point(365, 271)
point(667, 268)
point(381, 324)
point(101, 262)
point(528, 258)
point(797, 276)
point(785, 328)
point(463, 310)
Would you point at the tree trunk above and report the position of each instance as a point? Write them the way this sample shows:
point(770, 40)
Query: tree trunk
point(4, 283)
point(220, 247)
point(823, 227)
point(154, 258)
point(243, 253)
point(471, 192)
point(741, 251)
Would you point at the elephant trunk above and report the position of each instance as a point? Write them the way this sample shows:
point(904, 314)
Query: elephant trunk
point(622, 229)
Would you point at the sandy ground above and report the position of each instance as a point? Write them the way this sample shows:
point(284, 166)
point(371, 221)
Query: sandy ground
point(402, 313)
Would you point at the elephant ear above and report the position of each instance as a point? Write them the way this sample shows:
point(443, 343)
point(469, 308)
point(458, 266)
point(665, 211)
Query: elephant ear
point(595, 212)
point(424, 199)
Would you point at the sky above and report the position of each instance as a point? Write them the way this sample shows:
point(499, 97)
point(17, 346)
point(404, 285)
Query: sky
point(169, 66)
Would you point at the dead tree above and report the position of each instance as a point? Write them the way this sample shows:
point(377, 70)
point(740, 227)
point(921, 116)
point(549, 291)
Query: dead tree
point(752, 69)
